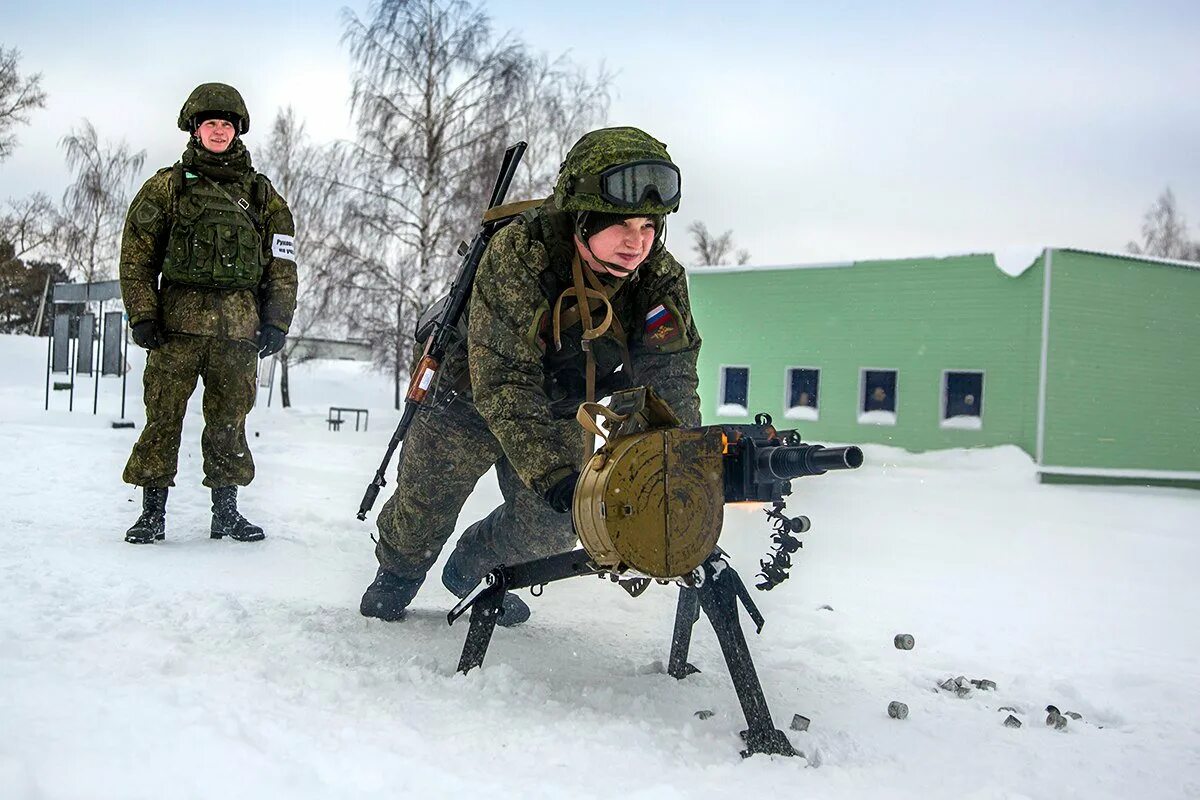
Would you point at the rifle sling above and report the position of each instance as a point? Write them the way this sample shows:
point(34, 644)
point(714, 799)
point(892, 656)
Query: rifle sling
point(508, 210)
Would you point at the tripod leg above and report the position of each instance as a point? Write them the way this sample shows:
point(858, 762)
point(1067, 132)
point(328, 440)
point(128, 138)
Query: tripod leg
point(718, 598)
point(484, 613)
point(686, 614)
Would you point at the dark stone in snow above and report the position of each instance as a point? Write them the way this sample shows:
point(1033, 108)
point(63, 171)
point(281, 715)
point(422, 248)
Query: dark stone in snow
point(897, 710)
point(1012, 722)
point(1074, 715)
point(703, 713)
point(904, 641)
point(799, 722)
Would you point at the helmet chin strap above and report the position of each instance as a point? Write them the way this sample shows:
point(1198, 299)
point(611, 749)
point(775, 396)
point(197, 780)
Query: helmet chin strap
point(614, 269)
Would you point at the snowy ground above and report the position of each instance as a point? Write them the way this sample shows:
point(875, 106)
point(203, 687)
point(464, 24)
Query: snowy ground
point(204, 669)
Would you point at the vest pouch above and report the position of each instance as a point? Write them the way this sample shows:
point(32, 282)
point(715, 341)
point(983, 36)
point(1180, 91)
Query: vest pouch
point(212, 242)
point(179, 260)
point(204, 255)
point(234, 257)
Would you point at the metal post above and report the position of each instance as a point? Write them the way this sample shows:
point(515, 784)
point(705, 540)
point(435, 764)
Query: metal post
point(271, 379)
point(96, 367)
point(124, 364)
point(72, 352)
point(37, 324)
point(49, 350)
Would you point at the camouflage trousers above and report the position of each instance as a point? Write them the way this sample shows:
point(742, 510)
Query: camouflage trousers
point(227, 367)
point(445, 453)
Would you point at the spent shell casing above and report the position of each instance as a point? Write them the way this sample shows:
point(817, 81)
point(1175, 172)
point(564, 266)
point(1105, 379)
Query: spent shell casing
point(904, 641)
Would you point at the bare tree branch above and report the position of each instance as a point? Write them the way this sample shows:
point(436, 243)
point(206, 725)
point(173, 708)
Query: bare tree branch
point(712, 250)
point(18, 96)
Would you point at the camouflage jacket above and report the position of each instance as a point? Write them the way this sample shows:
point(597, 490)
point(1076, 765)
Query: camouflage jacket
point(222, 313)
point(521, 384)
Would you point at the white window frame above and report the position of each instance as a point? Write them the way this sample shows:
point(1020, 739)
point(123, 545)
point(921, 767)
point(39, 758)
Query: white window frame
point(943, 420)
point(860, 411)
point(721, 404)
point(787, 395)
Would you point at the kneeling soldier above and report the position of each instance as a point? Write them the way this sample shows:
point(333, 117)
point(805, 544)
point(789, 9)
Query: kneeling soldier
point(533, 355)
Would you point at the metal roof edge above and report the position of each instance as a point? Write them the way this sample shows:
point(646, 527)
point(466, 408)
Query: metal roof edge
point(1173, 262)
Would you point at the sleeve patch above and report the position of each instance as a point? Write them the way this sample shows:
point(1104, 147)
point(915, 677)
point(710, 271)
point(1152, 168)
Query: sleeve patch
point(145, 214)
point(283, 246)
point(662, 326)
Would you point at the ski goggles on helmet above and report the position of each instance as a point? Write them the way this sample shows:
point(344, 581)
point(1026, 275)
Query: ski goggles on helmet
point(630, 185)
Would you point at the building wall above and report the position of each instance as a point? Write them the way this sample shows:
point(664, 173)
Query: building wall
point(1123, 368)
point(919, 317)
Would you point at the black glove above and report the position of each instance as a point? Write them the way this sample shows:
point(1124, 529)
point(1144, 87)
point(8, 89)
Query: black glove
point(560, 495)
point(146, 334)
point(270, 341)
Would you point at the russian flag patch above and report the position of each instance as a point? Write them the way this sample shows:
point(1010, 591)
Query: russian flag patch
point(662, 326)
point(657, 317)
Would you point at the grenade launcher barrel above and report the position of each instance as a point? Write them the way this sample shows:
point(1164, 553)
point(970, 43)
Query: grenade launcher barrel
point(759, 466)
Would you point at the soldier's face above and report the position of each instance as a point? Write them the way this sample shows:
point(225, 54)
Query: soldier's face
point(625, 244)
point(216, 134)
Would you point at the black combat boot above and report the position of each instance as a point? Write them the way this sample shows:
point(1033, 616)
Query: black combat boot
point(388, 596)
point(152, 524)
point(513, 610)
point(226, 521)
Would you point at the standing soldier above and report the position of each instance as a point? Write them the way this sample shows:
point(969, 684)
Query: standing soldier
point(533, 355)
point(221, 238)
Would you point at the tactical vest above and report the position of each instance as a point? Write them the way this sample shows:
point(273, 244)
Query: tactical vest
point(215, 240)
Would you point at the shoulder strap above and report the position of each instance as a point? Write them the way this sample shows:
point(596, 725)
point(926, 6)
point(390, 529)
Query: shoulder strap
point(176, 183)
point(242, 204)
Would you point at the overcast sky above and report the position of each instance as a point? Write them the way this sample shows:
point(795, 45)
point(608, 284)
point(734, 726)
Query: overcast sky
point(815, 131)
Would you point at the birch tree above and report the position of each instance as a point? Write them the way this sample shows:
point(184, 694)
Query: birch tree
point(95, 202)
point(1165, 231)
point(436, 96)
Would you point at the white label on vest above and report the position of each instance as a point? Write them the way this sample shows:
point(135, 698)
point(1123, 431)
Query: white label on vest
point(283, 246)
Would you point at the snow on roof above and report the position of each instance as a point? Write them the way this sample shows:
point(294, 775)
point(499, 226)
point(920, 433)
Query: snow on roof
point(1013, 261)
point(1175, 262)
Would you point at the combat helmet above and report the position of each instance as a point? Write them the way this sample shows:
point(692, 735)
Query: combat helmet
point(623, 171)
point(219, 99)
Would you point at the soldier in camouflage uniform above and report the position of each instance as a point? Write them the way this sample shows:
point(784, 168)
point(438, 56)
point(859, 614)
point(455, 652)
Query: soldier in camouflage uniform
point(525, 370)
point(208, 277)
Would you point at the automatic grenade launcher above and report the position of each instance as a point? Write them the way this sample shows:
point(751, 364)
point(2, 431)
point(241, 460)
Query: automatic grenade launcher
point(651, 500)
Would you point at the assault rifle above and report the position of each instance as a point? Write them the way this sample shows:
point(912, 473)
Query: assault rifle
point(449, 309)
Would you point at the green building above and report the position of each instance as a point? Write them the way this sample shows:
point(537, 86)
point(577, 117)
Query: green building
point(1088, 361)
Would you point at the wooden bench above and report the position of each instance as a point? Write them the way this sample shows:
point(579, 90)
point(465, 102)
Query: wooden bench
point(335, 418)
